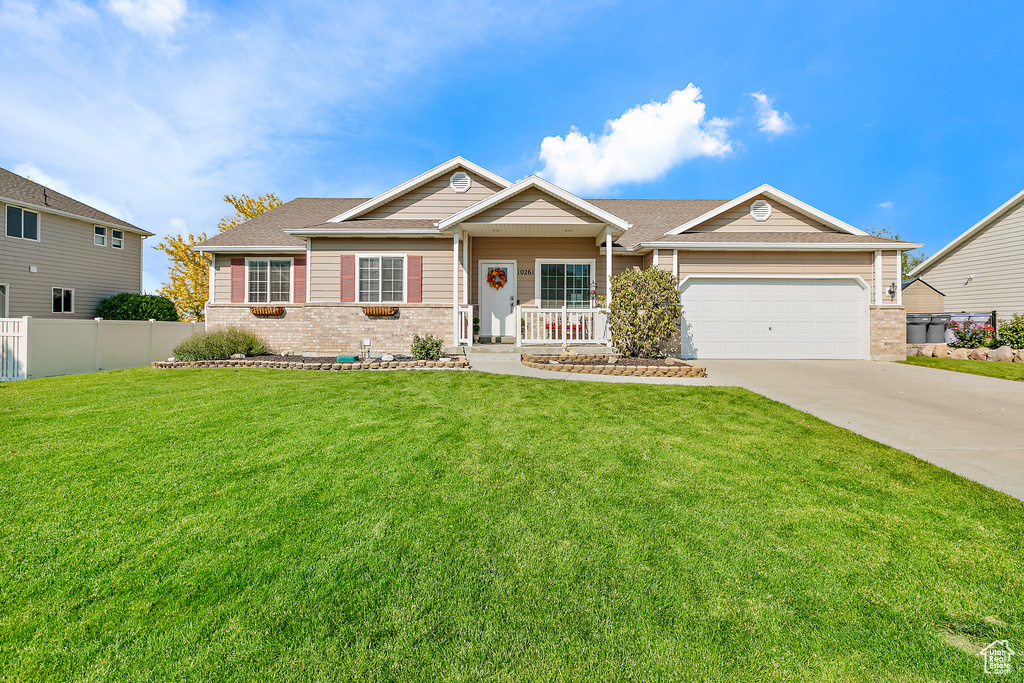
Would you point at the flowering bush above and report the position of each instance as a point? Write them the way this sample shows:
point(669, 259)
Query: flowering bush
point(968, 335)
point(1011, 332)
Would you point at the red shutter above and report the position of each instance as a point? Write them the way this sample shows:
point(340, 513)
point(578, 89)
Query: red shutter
point(415, 280)
point(300, 281)
point(348, 278)
point(238, 280)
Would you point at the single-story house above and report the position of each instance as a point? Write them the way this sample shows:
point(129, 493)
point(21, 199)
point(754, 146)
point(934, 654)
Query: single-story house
point(61, 257)
point(763, 275)
point(983, 269)
point(921, 297)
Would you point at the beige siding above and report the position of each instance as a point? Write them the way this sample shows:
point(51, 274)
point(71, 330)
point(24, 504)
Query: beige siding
point(66, 257)
point(995, 257)
point(525, 251)
point(533, 206)
point(920, 298)
point(325, 266)
point(783, 219)
point(435, 200)
point(781, 263)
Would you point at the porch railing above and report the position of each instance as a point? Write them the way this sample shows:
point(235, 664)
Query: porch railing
point(561, 325)
point(465, 325)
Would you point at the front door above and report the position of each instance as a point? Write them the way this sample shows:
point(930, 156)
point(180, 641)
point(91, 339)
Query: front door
point(497, 298)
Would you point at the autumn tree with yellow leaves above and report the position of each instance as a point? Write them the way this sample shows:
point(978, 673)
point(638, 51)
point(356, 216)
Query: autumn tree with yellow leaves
point(189, 272)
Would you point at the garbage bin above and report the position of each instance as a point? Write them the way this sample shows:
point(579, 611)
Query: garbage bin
point(936, 329)
point(917, 326)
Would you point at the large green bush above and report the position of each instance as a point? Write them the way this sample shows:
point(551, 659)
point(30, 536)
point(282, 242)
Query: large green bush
point(644, 311)
point(1011, 332)
point(134, 306)
point(220, 344)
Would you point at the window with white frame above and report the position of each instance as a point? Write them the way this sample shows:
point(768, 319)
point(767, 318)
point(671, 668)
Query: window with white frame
point(99, 236)
point(565, 284)
point(381, 279)
point(22, 224)
point(63, 300)
point(270, 281)
point(4, 289)
point(117, 239)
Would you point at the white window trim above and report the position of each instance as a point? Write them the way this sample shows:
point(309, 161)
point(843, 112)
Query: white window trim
point(112, 238)
point(7, 299)
point(569, 262)
point(39, 224)
point(96, 234)
point(62, 290)
point(291, 278)
point(380, 276)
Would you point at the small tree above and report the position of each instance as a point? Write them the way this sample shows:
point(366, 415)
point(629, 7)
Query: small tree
point(644, 311)
point(132, 306)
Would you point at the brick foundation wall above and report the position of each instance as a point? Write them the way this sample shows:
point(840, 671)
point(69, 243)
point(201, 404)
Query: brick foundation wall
point(330, 329)
point(888, 333)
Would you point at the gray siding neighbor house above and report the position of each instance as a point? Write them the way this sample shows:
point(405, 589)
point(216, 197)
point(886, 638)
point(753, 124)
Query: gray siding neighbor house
point(61, 257)
point(983, 268)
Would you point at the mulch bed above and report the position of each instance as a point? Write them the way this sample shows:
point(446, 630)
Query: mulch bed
point(310, 359)
point(608, 364)
point(629, 362)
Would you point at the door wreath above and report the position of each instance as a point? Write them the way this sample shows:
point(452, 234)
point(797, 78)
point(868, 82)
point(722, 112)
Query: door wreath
point(497, 277)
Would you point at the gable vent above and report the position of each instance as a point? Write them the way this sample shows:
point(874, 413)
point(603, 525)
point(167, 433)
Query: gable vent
point(460, 182)
point(760, 210)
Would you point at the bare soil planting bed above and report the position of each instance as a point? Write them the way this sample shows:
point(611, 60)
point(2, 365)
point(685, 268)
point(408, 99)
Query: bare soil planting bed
point(600, 364)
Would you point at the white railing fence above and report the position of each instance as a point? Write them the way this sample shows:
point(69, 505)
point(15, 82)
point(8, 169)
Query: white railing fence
point(465, 325)
point(562, 326)
point(45, 347)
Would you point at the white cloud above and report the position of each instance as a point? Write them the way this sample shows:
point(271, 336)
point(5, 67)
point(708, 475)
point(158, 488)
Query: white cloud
point(887, 205)
point(36, 175)
point(641, 145)
point(150, 17)
point(769, 120)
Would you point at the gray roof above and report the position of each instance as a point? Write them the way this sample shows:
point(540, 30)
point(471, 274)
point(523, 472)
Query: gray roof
point(360, 224)
point(19, 189)
point(786, 237)
point(267, 230)
point(652, 218)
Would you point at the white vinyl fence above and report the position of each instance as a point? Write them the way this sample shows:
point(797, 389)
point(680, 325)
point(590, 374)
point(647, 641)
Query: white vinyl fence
point(44, 347)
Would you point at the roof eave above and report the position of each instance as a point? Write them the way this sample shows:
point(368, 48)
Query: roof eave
point(263, 249)
point(68, 214)
point(382, 232)
point(777, 246)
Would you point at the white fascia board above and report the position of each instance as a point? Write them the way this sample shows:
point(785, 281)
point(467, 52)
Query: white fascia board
point(775, 246)
point(421, 179)
point(541, 184)
point(768, 276)
point(84, 219)
point(777, 195)
point(381, 232)
point(251, 250)
point(964, 236)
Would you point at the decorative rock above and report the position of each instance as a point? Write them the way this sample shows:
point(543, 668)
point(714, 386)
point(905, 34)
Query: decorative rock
point(980, 353)
point(941, 351)
point(958, 354)
point(913, 351)
point(238, 356)
point(171, 359)
point(1003, 353)
point(1018, 356)
point(928, 350)
point(387, 358)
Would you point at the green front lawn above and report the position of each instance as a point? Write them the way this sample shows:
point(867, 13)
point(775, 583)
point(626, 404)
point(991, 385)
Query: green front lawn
point(1000, 370)
point(247, 524)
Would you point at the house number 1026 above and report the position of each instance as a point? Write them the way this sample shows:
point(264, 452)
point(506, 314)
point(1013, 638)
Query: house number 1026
point(526, 271)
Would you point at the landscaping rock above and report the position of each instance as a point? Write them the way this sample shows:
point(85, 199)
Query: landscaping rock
point(238, 356)
point(387, 358)
point(927, 350)
point(1018, 356)
point(913, 351)
point(1003, 354)
point(941, 351)
point(958, 354)
point(980, 353)
point(171, 359)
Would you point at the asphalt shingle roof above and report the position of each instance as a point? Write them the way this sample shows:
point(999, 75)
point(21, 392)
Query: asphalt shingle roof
point(267, 230)
point(652, 218)
point(19, 189)
point(792, 237)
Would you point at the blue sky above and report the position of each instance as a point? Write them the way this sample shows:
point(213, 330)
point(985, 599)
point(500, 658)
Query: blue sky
point(904, 114)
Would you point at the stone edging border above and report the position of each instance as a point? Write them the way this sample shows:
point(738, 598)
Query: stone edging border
point(1002, 353)
point(564, 363)
point(458, 363)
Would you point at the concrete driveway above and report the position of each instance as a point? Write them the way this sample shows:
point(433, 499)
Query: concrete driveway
point(968, 424)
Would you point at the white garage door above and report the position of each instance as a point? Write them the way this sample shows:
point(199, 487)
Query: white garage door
point(774, 318)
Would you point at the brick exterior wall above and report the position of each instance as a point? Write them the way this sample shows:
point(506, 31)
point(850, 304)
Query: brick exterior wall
point(331, 329)
point(888, 333)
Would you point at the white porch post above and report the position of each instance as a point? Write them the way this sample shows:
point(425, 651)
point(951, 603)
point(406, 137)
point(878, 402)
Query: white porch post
point(608, 277)
point(899, 283)
point(455, 286)
point(878, 278)
point(675, 263)
point(465, 271)
point(654, 258)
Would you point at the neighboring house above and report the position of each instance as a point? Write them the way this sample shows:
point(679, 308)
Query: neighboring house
point(61, 257)
point(763, 275)
point(983, 269)
point(921, 297)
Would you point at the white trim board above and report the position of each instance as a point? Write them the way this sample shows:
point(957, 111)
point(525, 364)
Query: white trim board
point(543, 185)
point(966, 235)
point(421, 179)
point(537, 263)
point(291, 279)
point(777, 195)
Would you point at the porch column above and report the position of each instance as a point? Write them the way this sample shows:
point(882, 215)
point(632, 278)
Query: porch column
point(608, 265)
point(899, 282)
point(878, 278)
point(465, 271)
point(455, 286)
